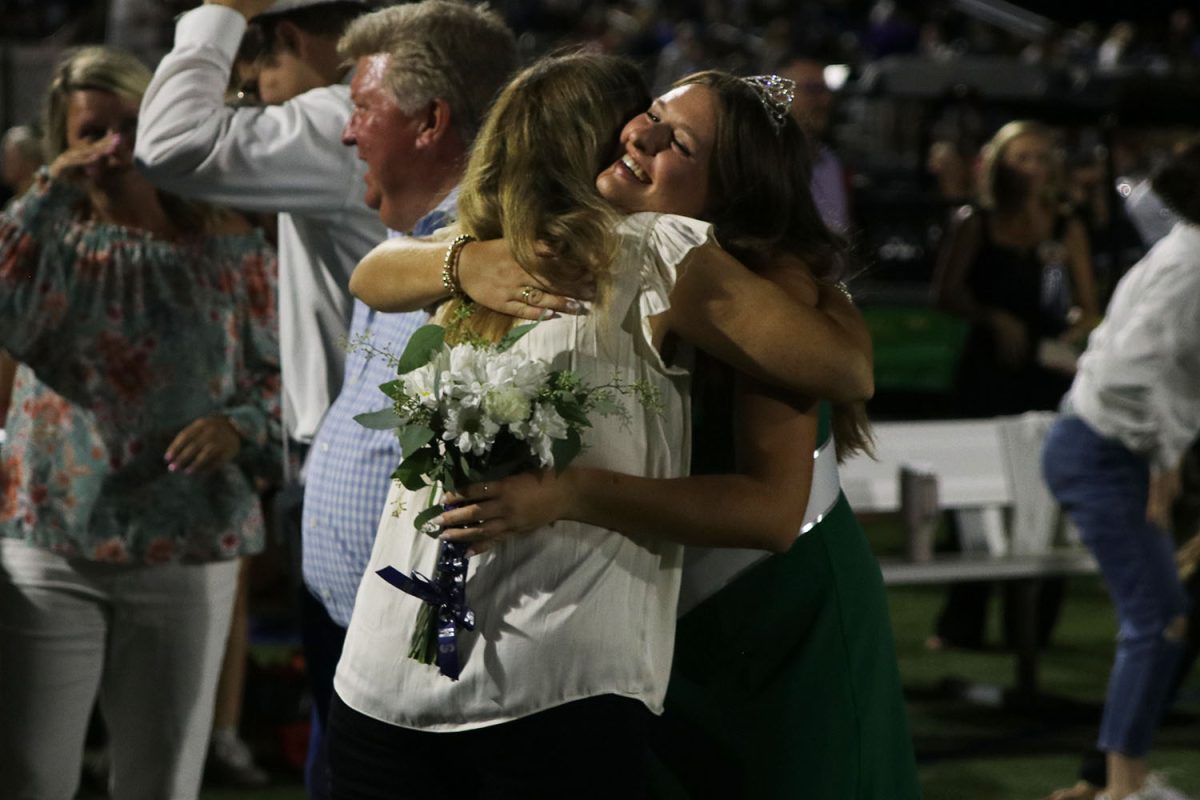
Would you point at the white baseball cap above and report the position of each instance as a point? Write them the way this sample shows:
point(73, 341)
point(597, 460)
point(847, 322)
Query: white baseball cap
point(284, 6)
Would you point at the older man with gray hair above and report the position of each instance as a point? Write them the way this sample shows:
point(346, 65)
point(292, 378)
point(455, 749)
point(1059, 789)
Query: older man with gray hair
point(424, 75)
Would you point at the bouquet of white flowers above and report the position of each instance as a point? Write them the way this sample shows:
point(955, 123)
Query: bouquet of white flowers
point(469, 413)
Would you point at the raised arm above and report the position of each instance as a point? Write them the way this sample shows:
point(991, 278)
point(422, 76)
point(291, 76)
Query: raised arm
point(35, 273)
point(286, 158)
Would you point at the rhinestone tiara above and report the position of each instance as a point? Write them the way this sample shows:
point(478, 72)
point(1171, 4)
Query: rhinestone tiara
point(776, 94)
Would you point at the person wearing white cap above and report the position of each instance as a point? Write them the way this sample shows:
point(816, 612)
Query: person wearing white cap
point(283, 158)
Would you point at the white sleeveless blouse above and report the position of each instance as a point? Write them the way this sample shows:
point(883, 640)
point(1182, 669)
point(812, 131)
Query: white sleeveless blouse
point(569, 611)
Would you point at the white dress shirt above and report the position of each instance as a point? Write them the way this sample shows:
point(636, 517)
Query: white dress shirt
point(287, 159)
point(1138, 380)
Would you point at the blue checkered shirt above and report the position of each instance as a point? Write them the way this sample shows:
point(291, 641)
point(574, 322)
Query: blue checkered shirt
point(349, 467)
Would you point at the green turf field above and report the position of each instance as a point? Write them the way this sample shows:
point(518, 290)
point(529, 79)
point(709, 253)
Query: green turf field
point(986, 752)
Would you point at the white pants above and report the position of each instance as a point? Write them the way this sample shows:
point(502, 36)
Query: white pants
point(148, 640)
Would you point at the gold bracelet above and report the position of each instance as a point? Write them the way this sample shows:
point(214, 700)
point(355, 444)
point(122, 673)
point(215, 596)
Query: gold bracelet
point(450, 265)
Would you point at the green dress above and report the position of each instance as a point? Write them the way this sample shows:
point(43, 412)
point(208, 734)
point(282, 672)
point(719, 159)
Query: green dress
point(785, 683)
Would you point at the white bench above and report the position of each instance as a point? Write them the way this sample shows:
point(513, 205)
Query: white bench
point(988, 472)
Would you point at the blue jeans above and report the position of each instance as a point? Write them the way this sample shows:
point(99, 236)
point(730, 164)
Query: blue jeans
point(1104, 487)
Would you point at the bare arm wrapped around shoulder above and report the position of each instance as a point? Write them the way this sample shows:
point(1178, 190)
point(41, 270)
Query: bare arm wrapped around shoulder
point(718, 305)
point(749, 322)
point(762, 506)
point(405, 274)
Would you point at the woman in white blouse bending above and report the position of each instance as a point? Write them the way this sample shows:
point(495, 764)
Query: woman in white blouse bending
point(575, 624)
point(1113, 461)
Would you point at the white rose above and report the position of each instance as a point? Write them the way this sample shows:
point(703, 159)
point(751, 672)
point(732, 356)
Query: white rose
point(518, 371)
point(506, 405)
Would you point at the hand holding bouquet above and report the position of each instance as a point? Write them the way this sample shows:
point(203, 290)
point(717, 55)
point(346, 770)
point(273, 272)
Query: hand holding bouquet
point(470, 413)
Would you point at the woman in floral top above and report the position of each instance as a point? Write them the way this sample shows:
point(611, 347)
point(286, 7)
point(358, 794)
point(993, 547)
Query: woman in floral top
point(145, 407)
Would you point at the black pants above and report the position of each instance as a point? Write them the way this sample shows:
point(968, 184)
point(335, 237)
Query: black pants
point(323, 639)
point(593, 748)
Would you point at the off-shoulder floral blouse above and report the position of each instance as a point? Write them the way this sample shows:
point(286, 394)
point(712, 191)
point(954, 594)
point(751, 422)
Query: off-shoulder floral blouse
point(124, 340)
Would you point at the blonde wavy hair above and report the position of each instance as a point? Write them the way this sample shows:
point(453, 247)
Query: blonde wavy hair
point(531, 177)
point(104, 69)
point(118, 72)
point(993, 158)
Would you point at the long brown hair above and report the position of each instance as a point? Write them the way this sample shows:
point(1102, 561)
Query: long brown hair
point(531, 177)
point(761, 205)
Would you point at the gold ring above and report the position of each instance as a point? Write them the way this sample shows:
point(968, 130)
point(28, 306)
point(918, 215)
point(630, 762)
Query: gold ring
point(479, 523)
point(525, 294)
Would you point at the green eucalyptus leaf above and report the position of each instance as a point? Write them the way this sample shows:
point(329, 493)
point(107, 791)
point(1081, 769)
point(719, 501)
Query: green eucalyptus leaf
point(565, 450)
point(425, 341)
point(514, 336)
point(573, 413)
point(393, 389)
point(445, 476)
point(607, 406)
point(413, 469)
point(467, 472)
point(383, 420)
point(414, 436)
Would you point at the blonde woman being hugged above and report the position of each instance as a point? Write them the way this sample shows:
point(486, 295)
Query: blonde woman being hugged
point(673, 156)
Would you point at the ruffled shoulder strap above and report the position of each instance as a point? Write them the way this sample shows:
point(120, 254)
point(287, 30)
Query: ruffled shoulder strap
point(663, 242)
point(653, 246)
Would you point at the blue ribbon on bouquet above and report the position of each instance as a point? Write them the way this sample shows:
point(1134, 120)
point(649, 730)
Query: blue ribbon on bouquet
point(447, 593)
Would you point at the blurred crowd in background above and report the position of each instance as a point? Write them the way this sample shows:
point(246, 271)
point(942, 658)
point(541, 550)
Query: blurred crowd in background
point(671, 37)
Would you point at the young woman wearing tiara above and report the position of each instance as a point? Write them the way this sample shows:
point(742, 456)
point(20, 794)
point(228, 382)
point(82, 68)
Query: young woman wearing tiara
point(687, 154)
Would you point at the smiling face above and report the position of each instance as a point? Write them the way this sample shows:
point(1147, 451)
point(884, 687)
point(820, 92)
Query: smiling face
point(93, 114)
point(664, 165)
point(385, 137)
